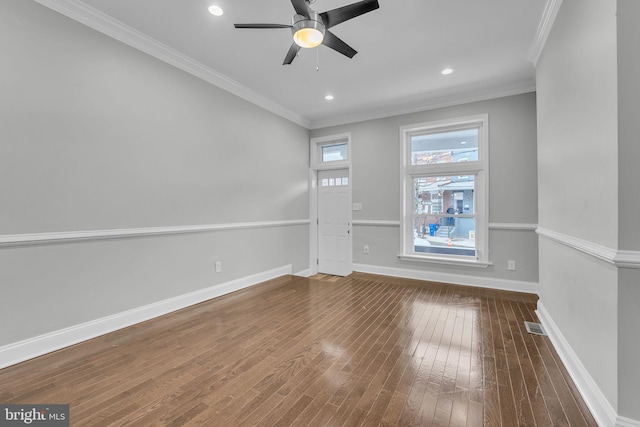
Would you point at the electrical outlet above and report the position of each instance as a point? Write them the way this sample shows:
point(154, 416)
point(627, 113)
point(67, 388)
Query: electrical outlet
point(366, 249)
point(218, 266)
point(511, 265)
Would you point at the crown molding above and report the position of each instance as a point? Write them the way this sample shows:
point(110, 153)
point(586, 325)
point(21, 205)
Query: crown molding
point(115, 29)
point(103, 23)
point(544, 29)
point(459, 96)
point(619, 258)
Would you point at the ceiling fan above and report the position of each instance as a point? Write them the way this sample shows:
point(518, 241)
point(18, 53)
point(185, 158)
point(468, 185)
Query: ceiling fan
point(311, 29)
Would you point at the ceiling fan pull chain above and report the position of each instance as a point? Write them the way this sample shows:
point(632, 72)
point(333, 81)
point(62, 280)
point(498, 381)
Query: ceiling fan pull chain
point(317, 59)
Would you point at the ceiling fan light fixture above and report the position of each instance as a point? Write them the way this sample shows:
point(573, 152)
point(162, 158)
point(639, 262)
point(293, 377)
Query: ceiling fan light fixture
point(308, 32)
point(215, 10)
point(308, 37)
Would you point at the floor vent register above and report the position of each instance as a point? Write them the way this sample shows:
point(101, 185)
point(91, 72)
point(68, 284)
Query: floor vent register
point(535, 328)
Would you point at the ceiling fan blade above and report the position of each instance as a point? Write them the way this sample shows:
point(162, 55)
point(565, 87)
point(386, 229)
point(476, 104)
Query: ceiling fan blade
point(336, 16)
point(261, 26)
point(332, 41)
point(301, 7)
point(293, 51)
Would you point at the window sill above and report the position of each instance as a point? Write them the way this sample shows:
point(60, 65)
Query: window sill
point(449, 261)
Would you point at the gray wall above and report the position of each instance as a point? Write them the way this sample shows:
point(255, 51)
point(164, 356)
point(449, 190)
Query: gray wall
point(629, 344)
point(629, 123)
point(96, 135)
point(513, 194)
point(588, 175)
point(577, 171)
point(629, 200)
point(577, 114)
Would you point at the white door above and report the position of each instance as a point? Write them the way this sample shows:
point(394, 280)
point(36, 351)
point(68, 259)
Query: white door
point(334, 222)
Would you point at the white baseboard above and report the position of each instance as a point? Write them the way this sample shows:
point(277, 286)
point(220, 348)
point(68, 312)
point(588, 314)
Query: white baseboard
point(598, 404)
point(43, 344)
point(305, 273)
point(456, 279)
point(627, 422)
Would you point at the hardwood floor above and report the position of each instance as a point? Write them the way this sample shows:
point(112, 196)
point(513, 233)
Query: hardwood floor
point(361, 350)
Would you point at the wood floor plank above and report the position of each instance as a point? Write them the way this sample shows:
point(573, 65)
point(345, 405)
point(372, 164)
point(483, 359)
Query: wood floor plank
point(534, 392)
point(491, 397)
point(355, 351)
point(524, 413)
point(572, 404)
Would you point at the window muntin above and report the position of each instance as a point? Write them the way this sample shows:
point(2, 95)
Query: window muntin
point(444, 172)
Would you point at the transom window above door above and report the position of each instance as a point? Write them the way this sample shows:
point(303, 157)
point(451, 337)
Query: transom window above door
point(335, 152)
point(330, 152)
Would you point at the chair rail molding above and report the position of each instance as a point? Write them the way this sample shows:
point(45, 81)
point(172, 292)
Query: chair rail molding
point(74, 236)
point(376, 222)
point(514, 226)
point(619, 258)
point(453, 278)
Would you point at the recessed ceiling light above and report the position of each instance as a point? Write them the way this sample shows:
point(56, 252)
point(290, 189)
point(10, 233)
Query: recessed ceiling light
point(329, 97)
point(463, 142)
point(446, 71)
point(215, 10)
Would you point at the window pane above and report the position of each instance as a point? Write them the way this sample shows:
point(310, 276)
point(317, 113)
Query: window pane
point(444, 219)
point(444, 147)
point(332, 153)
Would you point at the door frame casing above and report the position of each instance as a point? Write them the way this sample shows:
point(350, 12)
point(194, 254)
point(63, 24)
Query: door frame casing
point(316, 165)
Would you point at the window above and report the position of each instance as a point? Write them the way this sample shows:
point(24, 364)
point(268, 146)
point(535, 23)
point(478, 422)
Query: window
point(334, 153)
point(444, 172)
point(337, 182)
point(330, 152)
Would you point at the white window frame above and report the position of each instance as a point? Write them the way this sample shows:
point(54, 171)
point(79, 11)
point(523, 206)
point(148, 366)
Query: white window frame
point(317, 144)
point(479, 168)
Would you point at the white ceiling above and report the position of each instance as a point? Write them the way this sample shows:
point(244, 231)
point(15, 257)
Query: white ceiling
point(402, 47)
